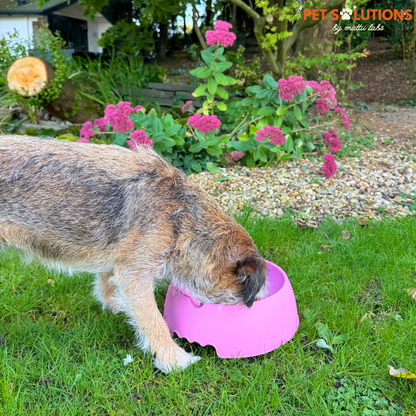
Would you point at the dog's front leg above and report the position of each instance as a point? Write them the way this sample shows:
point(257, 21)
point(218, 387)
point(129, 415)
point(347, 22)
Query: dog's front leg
point(137, 300)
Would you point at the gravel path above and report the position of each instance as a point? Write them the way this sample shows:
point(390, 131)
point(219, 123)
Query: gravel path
point(381, 181)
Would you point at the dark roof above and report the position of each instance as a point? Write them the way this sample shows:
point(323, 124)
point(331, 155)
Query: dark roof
point(12, 7)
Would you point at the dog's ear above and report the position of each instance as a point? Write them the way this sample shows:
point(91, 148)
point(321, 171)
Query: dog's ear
point(252, 272)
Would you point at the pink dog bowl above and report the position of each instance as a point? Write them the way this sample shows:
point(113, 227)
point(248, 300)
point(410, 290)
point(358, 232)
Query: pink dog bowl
point(237, 331)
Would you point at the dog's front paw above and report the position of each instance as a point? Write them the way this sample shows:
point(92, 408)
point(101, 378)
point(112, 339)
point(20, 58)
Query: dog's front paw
point(174, 359)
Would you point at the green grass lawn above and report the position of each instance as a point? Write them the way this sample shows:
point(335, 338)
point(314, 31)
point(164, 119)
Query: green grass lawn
point(60, 354)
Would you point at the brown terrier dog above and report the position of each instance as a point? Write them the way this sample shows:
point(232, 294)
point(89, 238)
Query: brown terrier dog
point(132, 218)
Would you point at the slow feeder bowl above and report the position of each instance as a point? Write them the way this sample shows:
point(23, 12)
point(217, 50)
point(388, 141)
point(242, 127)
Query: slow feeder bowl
point(237, 331)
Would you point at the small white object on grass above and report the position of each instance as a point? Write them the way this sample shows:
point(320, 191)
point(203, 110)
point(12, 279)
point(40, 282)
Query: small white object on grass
point(128, 360)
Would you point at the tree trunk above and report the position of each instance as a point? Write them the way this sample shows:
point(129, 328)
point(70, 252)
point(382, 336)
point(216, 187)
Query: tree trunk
point(163, 45)
point(29, 76)
point(321, 33)
point(197, 29)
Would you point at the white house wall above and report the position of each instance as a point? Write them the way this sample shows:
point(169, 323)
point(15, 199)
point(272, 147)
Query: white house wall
point(23, 25)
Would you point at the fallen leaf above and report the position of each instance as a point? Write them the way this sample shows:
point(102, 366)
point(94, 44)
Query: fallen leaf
point(51, 282)
point(127, 360)
point(321, 343)
point(229, 159)
point(401, 373)
point(303, 223)
point(346, 234)
point(397, 198)
point(14, 289)
point(363, 318)
point(325, 247)
point(412, 292)
point(361, 222)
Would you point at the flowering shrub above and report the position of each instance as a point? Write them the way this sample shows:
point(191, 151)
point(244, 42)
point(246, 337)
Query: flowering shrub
point(126, 126)
point(283, 120)
point(287, 119)
point(217, 64)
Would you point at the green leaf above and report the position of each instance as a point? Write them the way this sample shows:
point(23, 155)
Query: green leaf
point(173, 129)
point(207, 56)
point(324, 331)
point(266, 111)
point(120, 139)
point(247, 102)
point(271, 160)
point(278, 121)
point(298, 113)
point(281, 110)
point(256, 154)
point(224, 138)
point(212, 86)
point(339, 339)
point(221, 78)
point(221, 106)
point(254, 89)
point(222, 66)
point(196, 166)
point(269, 82)
point(200, 91)
point(250, 160)
point(285, 157)
point(309, 146)
point(263, 154)
point(204, 72)
point(158, 137)
point(157, 126)
point(263, 94)
point(179, 141)
point(196, 147)
point(212, 167)
point(222, 93)
point(230, 81)
point(214, 150)
point(223, 178)
point(287, 130)
point(242, 146)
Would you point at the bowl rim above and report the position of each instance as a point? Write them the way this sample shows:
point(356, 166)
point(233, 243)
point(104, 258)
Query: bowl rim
point(184, 291)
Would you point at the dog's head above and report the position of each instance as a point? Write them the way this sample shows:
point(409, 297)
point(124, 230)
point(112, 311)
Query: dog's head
point(224, 267)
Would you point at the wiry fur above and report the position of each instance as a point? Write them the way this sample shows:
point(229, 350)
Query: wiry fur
point(132, 218)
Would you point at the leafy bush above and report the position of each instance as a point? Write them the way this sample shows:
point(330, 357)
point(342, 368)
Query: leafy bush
point(334, 67)
point(129, 38)
point(284, 124)
point(245, 74)
point(115, 78)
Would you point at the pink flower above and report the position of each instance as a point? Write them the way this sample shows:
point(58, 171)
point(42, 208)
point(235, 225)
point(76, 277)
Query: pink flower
point(275, 135)
point(322, 106)
point(118, 118)
point(291, 87)
point(344, 117)
point(220, 36)
point(187, 104)
point(330, 167)
point(331, 138)
point(139, 138)
point(84, 140)
point(328, 92)
point(101, 123)
point(138, 108)
point(86, 132)
point(204, 124)
point(314, 85)
point(236, 155)
point(221, 25)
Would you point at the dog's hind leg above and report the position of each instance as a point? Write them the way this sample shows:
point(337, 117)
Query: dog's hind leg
point(105, 291)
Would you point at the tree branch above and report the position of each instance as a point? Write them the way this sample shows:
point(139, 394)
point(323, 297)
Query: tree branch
point(197, 29)
point(244, 6)
point(305, 24)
